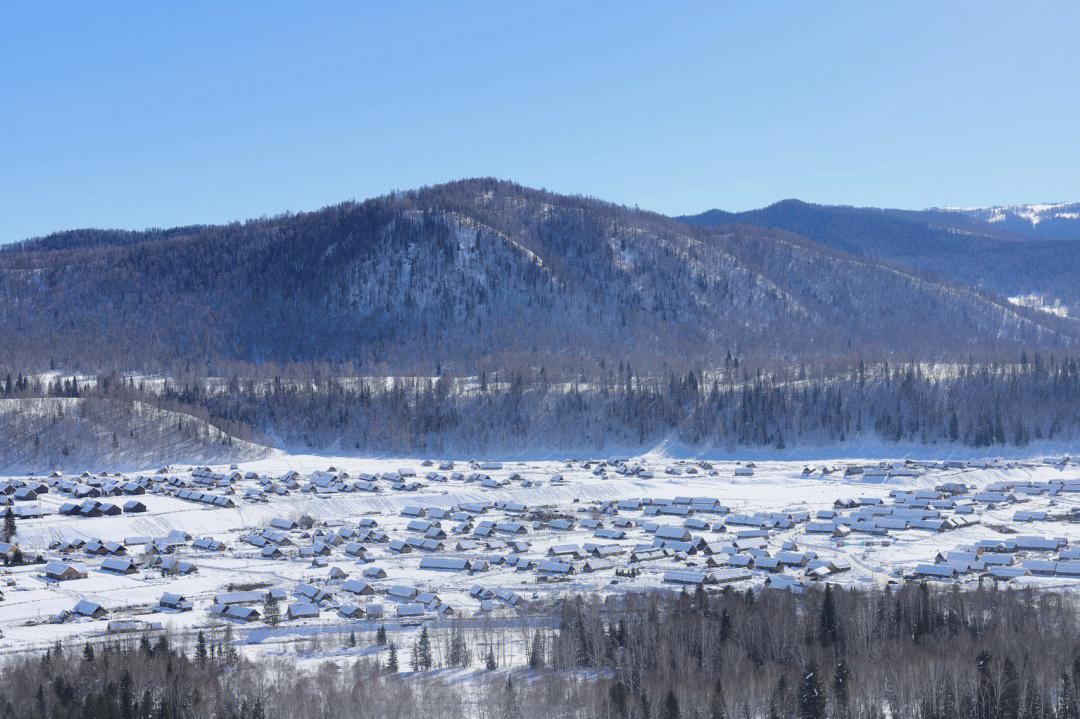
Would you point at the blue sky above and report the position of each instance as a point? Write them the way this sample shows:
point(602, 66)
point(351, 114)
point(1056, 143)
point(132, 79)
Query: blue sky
point(144, 114)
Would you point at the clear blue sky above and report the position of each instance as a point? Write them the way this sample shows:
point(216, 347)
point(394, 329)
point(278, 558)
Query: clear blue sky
point(163, 113)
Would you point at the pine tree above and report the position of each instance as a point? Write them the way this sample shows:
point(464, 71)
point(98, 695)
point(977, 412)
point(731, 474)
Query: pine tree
point(9, 527)
point(1069, 705)
point(271, 610)
point(126, 698)
point(811, 695)
point(841, 679)
point(146, 705)
point(617, 696)
point(380, 636)
point(1009, 701)
point(830, 634)
point(391, 659)
point(717, 709)
point(511, 708)
point(671, 707)
point(458, 655)
point(88, 652)
point(984, 689)
point(200, 648)
point(779, 702)
point(489, 660)
point(232, 657)
point(421, 652)
point(536, 652)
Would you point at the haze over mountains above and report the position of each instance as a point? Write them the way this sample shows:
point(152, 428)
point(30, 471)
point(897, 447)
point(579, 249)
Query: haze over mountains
point(485, 273)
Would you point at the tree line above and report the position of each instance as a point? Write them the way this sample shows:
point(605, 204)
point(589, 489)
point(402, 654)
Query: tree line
point(969, 405)
point(911, 652)
point(963, 404)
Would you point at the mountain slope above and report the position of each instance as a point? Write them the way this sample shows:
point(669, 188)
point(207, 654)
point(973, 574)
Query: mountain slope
point(961, 245)
point(483, 273)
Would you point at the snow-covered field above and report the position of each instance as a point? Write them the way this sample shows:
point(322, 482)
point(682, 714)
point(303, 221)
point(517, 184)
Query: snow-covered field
point(33, 606)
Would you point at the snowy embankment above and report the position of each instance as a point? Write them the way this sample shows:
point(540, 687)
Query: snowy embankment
point(865, 447)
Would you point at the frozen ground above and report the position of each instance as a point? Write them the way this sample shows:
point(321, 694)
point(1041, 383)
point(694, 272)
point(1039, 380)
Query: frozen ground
point(31, 603)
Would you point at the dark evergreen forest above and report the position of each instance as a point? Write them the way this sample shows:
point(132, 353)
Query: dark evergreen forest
point(912, 652)
point(960, 405)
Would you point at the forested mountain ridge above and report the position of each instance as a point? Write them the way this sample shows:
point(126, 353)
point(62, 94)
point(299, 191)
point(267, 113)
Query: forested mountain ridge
point(999, 249)
point(483, 273)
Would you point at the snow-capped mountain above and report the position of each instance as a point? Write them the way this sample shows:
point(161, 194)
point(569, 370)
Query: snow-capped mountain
point(1011, 256)
point(1057, 221)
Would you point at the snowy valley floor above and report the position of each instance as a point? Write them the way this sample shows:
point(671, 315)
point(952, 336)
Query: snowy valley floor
point(35, 611)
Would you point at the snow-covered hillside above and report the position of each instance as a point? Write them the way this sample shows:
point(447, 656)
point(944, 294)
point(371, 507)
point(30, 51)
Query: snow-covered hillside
point(54, 433)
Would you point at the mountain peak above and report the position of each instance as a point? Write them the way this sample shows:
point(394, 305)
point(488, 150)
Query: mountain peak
point(485, 272)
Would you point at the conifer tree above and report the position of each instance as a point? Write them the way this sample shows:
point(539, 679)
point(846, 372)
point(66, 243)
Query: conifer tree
point(126, 698)
point(830, 633)
point(536, 652)
point(811, 695)
point(717, 710)
point(200, 648)
point(421, 652)
point(232, 657)
point(458, 654)
point(671, 707)
point(617, 696)
point(271, 610)
point(511, 707)
point(391, 659)
point(841, 679)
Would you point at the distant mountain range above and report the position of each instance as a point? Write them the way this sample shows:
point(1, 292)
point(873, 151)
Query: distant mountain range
point(1056, 221)
point(1019, 251)
point(485, 273)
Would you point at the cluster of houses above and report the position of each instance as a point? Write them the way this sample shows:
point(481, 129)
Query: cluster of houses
point(911, 468)
point(1019, 560)
point(135, 554)
point(337, 595)
point(681, 541)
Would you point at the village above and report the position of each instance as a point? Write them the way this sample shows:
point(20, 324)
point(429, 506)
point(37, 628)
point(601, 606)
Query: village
point(344, 544)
